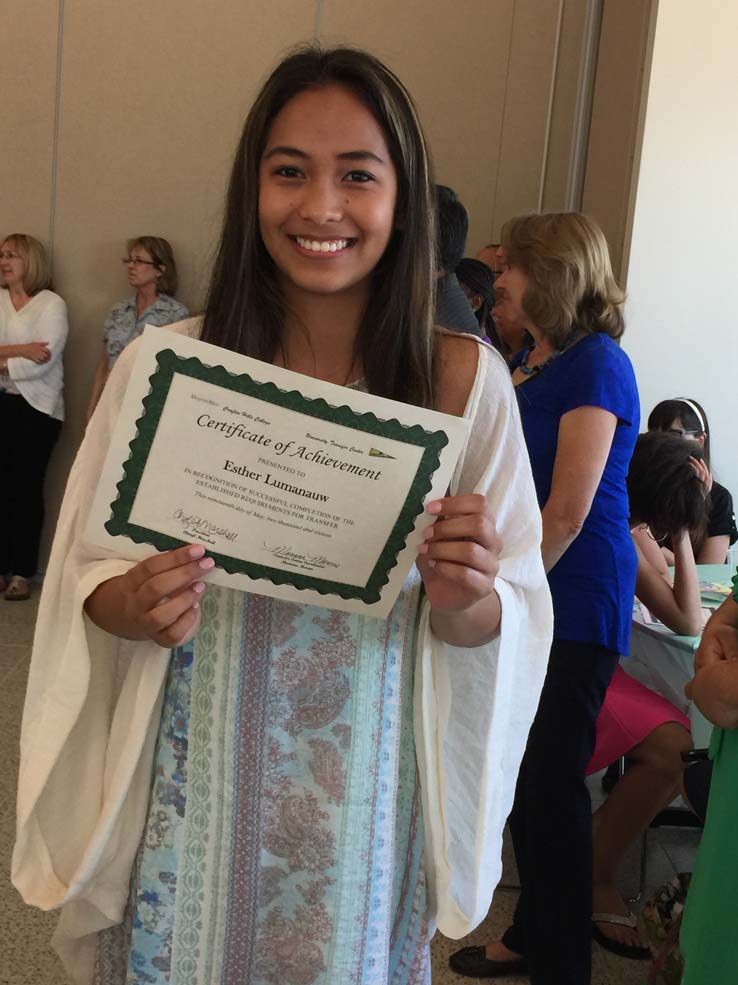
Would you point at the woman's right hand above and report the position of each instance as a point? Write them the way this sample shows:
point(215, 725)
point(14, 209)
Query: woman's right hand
point(157, 599)
point(37, 352)
point(702, 472)
point(718, 643)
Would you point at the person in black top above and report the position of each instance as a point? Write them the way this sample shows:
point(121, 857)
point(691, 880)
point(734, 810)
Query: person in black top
point(453, 310)
point(685, 417)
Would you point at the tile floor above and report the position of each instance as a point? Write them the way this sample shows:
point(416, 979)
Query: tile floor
point(27, 959)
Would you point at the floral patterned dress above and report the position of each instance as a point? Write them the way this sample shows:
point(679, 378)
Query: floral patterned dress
point(283, 844)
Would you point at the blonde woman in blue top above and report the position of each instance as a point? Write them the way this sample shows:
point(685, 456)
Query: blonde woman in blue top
point(579, 407)
point(152, 272)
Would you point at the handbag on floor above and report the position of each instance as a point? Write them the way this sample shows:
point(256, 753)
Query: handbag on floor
point(662, 917)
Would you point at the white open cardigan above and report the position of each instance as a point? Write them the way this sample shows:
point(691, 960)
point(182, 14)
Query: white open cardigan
point(93, 704)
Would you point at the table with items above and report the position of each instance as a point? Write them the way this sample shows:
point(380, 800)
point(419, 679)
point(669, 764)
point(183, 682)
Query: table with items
point(664, 661)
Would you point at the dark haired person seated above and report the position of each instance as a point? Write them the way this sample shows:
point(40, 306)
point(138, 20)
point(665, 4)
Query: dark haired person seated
point(684, 417)
point(453, 310)
point(667, 493)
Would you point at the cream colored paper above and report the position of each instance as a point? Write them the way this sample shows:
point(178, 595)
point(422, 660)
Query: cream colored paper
point(262, 483)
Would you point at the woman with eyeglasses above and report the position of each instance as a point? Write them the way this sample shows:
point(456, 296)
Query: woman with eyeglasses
point(687, 419)
point(33, 331)
point(152, 272)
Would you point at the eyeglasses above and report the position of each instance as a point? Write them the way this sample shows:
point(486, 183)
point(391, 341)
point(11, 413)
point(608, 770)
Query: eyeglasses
point(9, 255)
point(139, 261)
point(683, 432)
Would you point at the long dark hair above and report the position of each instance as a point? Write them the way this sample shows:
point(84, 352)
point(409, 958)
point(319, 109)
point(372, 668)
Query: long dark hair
point(246, 308)
point(689, 412)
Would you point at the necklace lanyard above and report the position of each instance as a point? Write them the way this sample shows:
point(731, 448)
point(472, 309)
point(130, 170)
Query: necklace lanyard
point(529, 371)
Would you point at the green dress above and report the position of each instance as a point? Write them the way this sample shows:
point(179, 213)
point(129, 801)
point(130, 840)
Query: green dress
point(708, 936)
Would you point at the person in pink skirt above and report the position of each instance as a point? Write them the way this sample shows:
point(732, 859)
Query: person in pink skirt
point(667, 491)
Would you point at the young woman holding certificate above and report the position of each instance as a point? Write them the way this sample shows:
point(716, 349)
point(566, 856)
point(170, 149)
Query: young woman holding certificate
point(327, 787)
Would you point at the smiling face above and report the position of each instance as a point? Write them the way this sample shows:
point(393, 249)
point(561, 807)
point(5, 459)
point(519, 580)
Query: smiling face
point(327, 193)
point(12, 266)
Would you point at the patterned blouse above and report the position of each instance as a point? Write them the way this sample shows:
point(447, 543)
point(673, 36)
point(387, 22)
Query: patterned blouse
point(122, 325)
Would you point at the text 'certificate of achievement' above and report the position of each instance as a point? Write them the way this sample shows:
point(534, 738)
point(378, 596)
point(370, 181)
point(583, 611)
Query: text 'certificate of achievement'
point(299, 489)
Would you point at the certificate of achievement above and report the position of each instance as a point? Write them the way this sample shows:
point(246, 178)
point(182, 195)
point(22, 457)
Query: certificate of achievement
point(299, 489)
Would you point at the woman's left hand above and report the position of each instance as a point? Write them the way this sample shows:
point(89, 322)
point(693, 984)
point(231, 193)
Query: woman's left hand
point(459, 558)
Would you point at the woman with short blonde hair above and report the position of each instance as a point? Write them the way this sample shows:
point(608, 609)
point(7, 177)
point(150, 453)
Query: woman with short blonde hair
point(33, 332)
point(37, 271)
point(570, 281)
point(579, 406)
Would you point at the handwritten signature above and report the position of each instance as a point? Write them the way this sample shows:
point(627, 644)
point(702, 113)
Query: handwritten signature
point(288, 556)
point(202, 527)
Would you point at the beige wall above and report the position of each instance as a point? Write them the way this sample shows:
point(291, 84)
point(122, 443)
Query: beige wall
point(682, 324)
point(28, 69)
point(495, 81)
point(151, 100)
point(618, 112)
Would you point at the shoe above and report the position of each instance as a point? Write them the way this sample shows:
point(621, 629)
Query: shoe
point(17, 590)
point(633, 951)
point(473, 962)
point(610, 777)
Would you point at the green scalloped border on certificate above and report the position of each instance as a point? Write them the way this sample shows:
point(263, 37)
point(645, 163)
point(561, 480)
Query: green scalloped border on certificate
point(169, 364)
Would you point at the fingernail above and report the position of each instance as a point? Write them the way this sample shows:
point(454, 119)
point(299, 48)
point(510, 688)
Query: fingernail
point(195, 605)
point(196, 551)
point(434, 507)
point(431, 563)
point(198, 587)
point(423, 549)
point(428, 532)
point(207, 563)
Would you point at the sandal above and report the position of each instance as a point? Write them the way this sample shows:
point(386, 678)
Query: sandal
point(17, 590)
point(633, 951)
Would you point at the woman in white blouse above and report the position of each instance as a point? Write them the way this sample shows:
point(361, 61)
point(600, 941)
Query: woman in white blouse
point(33, 331)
